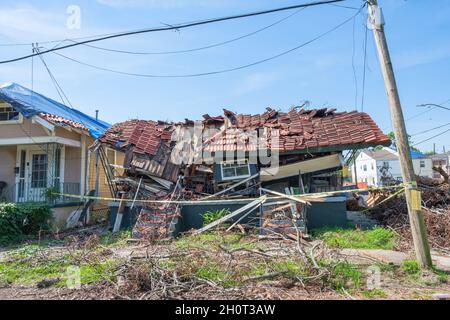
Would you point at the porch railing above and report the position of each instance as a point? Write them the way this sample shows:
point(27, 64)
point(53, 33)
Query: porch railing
point(22, 192)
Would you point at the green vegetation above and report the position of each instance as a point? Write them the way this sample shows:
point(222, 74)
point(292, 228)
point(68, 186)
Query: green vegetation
point(345, 275)
point(29, 265)
point(373, 294)
point(212, 240)
point(410, 267)
point(23, 221)
point(211, 216)
point(377, 238)
point(115, 239)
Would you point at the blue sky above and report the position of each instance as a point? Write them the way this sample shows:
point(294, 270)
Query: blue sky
point(418, 33)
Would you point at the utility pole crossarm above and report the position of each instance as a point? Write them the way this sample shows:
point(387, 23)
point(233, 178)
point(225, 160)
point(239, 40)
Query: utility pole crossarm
point(412, 193)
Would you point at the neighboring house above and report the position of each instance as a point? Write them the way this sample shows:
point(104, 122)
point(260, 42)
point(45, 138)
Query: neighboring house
point(44, 147)
point(441, 160)
point(382, 167)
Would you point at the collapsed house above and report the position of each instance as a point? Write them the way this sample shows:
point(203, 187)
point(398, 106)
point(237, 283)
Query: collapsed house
point(233, 157)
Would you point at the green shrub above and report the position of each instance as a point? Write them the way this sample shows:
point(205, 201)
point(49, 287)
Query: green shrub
point(211, 216)
point(410, 267)
point(18, 221)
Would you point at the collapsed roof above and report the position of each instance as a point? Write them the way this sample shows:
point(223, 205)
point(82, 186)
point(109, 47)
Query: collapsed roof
point(143, 136)
point(30, 103)
point(301, 130)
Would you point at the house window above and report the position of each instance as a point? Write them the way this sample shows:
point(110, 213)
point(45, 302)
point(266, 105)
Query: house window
point(365, 167)
point(8, 114)
point(235, 170)
point(422, 163)
point(39, 171)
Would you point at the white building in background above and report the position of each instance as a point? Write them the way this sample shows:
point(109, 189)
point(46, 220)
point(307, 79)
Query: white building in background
point(441, 160)
point(379, 167)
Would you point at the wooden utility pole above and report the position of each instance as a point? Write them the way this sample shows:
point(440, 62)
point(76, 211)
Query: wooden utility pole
point(418, 228)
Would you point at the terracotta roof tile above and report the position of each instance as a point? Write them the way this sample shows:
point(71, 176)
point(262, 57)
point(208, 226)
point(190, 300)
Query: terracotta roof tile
point(144, 136)
point(57, 120)
point(304, 129)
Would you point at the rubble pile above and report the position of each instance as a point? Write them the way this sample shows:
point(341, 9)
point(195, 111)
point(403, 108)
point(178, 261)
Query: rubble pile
point(436, 209)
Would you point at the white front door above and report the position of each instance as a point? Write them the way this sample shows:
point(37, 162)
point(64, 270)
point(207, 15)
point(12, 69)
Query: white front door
point(38, 176)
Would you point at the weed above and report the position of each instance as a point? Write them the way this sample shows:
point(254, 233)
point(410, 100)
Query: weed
point(410, 267)
point(345, 275)
point(213, 240)
point(377, 238)
point(211, 216)
point(375, 293)
point(115, 239)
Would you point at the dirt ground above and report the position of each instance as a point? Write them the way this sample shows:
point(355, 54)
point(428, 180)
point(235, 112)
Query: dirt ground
point(210, 266)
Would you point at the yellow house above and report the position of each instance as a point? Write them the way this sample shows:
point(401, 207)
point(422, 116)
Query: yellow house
point(44, 148)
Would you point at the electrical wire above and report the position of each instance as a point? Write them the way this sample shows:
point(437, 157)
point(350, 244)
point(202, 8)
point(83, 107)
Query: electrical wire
point(177, 27)
point(61, 93)
point(430, 138)
point(432, 129)
point(211, 72)
point(218, 44)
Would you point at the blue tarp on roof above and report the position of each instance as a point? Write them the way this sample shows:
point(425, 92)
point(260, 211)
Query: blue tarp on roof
point(30, 103)
point(417, 154)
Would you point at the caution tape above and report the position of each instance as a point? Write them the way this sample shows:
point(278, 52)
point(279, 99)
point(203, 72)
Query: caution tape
point(306, 195)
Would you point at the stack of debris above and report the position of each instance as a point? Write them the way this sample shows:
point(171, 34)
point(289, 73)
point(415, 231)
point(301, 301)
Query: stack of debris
point(191, 160)
point(436, 209)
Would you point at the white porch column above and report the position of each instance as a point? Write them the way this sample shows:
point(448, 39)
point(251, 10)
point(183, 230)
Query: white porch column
point(83, 165)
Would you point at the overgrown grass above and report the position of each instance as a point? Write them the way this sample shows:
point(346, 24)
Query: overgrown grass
point(115, 239)
point(28, 265)
point(374, 294)
point(212, 240)
point(411, 267)
point(377, 238)
point(345, 275)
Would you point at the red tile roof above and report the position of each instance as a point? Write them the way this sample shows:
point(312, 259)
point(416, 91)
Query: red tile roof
point(299, 129)
point(144, 136)
point(57, 120)
point(296, 130)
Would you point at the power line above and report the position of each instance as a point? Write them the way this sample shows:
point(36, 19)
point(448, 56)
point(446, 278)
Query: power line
point(428, 139)
point(59, 89)
point(113, 33)
point(218, 44)
point(211, 72)
point(53, 79)
point(432, 129)
point(176, 27)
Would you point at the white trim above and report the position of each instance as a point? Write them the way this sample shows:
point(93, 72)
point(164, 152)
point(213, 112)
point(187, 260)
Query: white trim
point(39, 140)
point(238, 163)
point(47, 125)
point(83, 165)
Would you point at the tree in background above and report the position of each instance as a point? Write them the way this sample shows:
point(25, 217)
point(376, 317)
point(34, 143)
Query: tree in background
point(391, 136)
